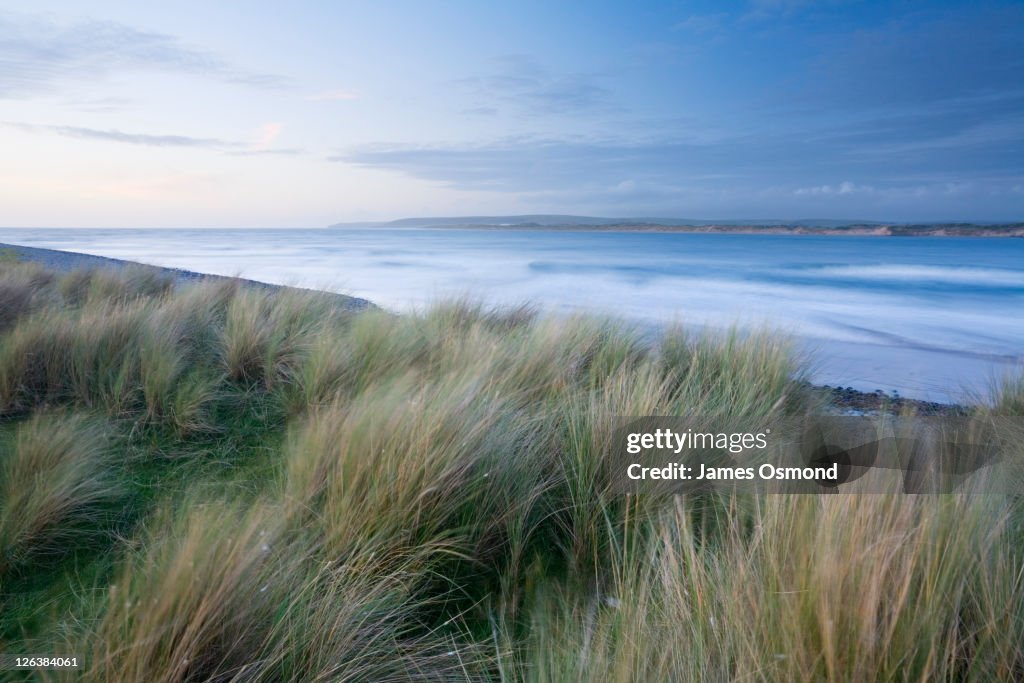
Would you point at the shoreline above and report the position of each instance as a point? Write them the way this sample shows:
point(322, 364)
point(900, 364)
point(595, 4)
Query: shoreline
point(1000, 231)
point(842, 400)
point(66, 261)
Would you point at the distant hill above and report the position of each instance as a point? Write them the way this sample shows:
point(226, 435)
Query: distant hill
point(803, 226)
point(565, 221)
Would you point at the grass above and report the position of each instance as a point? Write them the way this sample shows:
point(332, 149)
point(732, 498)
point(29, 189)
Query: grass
point(217, 482)
point(54, 481)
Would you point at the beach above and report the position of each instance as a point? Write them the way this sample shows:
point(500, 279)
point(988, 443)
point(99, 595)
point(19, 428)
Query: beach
point(68, 261)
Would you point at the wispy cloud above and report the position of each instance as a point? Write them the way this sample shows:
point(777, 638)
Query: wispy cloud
point(528, 164)
point(844, 188)
point(39, 55)
point(921, 61)
point(520, 82)
point(128, 138)
point(338, 95)
point(741, 174)
point(1004, 133)
point(268, 133)
point(847, 191)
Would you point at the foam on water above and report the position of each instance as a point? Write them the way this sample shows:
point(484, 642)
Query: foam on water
point(903, 272)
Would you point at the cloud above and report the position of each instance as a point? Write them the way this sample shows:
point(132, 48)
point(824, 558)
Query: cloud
point(481, 111)
point(268, 133)
point(922, 61)
point(338, 95)
point(38, 55)
point(533, 163)
point(896, 191)
point(997, 133)
point(519, 81)
point(529, 164)
point(743, 175)
point(128, 138)
point(512, 164)
point(844, 188)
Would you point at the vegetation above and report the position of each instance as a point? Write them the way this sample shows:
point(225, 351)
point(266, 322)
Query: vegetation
point(213, 482)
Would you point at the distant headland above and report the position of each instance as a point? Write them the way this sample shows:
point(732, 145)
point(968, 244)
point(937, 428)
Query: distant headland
point(808, 226)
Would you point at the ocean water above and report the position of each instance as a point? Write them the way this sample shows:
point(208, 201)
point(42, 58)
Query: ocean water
point(935, 318)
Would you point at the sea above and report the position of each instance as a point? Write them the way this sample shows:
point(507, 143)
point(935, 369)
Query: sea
point(934, 318)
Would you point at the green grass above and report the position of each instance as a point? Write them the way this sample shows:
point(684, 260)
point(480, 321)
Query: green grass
point(217, 482)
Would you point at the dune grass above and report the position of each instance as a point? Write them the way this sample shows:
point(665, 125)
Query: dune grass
point(54, 480)
point(224, 483)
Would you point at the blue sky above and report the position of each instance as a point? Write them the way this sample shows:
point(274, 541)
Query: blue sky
point(304, 114)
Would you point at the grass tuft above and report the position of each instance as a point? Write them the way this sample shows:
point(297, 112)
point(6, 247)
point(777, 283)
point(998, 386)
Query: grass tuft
point(54, 481)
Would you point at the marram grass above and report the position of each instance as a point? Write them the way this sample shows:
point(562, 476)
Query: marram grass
point(215, 482)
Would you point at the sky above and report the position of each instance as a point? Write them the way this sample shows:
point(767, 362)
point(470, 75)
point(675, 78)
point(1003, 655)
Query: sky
point(253, 114)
